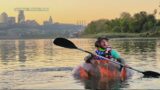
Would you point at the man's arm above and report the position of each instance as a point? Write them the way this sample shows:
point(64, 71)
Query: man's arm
point(117, 56)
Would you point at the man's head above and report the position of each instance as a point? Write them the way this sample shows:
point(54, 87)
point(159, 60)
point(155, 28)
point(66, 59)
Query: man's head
point(102, 42)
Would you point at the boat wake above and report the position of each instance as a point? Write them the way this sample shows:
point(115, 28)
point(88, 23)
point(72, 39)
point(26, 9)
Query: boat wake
point(48, 69)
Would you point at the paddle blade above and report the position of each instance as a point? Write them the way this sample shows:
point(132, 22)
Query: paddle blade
point(148, 74)
point(64, 43)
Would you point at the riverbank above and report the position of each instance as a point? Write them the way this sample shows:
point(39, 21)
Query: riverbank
point(121, 35)
point(110, 35)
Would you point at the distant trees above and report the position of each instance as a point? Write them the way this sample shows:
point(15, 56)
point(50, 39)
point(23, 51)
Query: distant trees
point(138, 23)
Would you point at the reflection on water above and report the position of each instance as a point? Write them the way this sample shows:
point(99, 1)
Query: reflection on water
point(34, 64)
point(141, 50)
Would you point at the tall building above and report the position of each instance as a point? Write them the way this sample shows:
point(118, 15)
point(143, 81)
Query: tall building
point(49, 22)
point(3, 18)
point(21, 17)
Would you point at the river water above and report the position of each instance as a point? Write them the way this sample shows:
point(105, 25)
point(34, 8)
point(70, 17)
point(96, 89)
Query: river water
point(38, 64)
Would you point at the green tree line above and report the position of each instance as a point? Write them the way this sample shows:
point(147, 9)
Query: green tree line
point(138, 23)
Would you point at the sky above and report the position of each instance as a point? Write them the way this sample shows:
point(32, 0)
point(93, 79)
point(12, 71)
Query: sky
point(71, 11)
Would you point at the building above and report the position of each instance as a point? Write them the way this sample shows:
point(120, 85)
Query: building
point(31, 23)
point(4, 18)
point(21, 17)
point(49, 22)
point(11, 20)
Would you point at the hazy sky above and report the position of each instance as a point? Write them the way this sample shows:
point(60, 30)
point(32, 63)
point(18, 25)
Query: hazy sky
point(70, 11)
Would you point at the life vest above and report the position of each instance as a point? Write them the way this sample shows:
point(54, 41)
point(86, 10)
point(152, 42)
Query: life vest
point(104, 52)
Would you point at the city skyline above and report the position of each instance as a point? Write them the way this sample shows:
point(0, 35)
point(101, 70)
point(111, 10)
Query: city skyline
point(20, 27)
point(71, 11)
point(6, 19)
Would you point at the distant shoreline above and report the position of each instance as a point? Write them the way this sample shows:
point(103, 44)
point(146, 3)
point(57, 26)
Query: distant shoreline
point(109, 35)
point(121, 35)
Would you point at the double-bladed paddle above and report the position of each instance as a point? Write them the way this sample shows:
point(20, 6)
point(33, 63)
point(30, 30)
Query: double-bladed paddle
point(68, 44)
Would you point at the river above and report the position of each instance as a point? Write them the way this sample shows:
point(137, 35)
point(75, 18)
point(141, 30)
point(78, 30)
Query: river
point(38, 64)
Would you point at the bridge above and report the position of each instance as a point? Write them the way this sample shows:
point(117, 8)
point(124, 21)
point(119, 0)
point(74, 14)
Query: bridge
point(31, 9)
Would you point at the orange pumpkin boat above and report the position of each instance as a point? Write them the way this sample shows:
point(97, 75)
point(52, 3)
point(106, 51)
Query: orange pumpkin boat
point(101, 69)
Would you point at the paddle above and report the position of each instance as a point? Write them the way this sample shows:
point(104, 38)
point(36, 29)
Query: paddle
point(68, 44)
